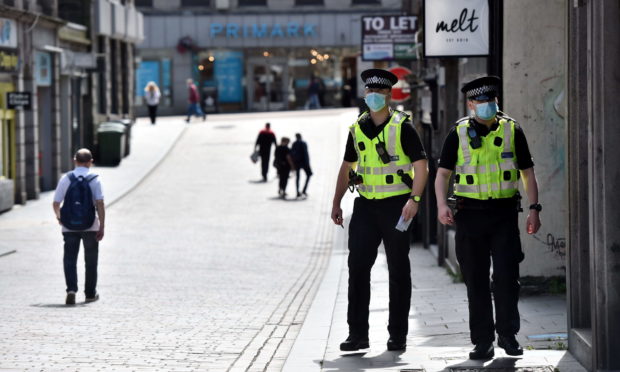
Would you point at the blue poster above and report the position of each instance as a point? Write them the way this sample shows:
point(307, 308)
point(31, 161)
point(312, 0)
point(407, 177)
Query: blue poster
point(147, 71)
point(228, 71)
point(43, 69)
point(165, 67)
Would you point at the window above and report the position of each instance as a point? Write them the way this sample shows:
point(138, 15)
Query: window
point(144, 3)
point(309, 2)
point(203, 3)
point(9, 2)
point(252, 2)
point(366, 2)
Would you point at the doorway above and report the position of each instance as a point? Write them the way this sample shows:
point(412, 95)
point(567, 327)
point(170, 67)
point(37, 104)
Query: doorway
point(267, 84)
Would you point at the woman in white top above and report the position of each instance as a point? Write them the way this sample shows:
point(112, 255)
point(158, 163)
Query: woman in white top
point(151, 95)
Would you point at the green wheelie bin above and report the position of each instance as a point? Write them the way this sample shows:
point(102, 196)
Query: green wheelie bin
point(111, 139)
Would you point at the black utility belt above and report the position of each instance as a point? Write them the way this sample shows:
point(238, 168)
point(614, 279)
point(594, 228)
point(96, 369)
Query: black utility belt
point(467, 203)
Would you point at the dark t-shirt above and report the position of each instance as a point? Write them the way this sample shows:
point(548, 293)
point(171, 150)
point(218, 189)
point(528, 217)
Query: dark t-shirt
point(409, 139)
point(281, 158)
point(449, 152)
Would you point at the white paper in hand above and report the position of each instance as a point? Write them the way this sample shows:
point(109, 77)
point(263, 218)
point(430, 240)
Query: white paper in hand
point(403, 225)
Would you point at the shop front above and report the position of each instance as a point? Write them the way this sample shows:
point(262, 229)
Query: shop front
point(252, 62)
point(9, 63)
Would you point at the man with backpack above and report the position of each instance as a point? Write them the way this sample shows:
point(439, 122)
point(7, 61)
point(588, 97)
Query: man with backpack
point(82, 216)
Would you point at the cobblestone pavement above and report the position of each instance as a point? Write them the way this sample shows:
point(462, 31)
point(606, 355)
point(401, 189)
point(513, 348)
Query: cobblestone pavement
point(202, 267)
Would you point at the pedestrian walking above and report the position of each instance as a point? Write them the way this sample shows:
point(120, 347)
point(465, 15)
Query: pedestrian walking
point(283, 163)
point(313, 94)
point(79, 208)
point(194, 102)
point(265, 139)
point(301, 159)
point(488, 152)
point(152, 96)
point(388, 152)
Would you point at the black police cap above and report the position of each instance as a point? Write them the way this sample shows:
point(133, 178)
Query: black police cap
point(378, 78)
point(482, 89)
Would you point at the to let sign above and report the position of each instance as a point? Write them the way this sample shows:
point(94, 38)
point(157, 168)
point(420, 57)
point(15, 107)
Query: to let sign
point(386, 38)
point(456, 28)
point(19, 100)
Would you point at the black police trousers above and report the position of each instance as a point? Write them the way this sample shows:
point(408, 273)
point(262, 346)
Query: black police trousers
point(373, 221)
point(483, 236)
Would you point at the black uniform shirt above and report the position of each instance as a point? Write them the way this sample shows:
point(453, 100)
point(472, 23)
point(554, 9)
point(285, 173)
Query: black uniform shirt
point(409, 139)
point(449, 152)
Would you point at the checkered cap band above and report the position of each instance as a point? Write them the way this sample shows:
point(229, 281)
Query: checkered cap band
point(378, 80)
point(481, 90)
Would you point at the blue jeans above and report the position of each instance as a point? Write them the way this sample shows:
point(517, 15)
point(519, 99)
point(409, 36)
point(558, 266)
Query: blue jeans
point(194, 108)
point(91, 254)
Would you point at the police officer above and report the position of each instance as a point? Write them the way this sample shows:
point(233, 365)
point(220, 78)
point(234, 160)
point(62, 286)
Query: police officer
point(488, 153)
point(388, 152)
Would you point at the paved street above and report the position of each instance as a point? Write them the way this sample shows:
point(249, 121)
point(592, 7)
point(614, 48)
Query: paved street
point(201, 268)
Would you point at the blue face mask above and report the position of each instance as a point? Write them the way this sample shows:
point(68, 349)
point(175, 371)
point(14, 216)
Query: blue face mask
point(487, 110)
point(375, 101)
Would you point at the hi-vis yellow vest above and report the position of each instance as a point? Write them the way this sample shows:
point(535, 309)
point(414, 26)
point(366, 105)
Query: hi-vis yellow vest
point(490, 171)
point(380, 180)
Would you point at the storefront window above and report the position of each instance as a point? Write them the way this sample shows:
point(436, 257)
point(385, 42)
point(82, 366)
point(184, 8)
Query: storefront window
point(144, 3)
point(366, 2)
point(159, 72)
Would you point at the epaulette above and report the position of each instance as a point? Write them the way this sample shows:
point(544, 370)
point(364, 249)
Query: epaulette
point(461, 120)
point(502, 115)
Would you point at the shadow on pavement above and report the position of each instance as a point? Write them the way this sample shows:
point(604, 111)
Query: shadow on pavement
point(257, 181)
point(287, 199)
point(387, 359)
point(59, 306)
point(497, 364)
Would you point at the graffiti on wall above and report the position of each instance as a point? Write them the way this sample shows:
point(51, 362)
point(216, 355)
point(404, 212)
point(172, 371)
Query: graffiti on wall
point(557, 246)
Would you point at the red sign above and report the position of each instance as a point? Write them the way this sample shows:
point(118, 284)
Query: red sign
point(401, 90)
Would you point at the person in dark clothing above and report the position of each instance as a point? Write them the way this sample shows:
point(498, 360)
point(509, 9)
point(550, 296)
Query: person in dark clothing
point(488, 153)
point(265, 139)
point(283, 163)
point(299, 152)
point(386, 162)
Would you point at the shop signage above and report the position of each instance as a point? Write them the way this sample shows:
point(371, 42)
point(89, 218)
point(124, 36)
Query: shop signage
point(8, 60)
point(229, 74)
point(19, 100)
point(456, 28)
point(260, 31)
point(385, 38)
point(43, 69)
point(146, 71)
point(8, 33)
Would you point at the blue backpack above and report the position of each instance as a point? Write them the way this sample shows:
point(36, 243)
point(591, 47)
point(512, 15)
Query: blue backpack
point(78, 209)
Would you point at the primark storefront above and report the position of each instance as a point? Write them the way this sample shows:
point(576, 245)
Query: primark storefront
point(251, 62)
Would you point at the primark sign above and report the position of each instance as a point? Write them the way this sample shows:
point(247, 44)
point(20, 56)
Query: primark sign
point(234, 30)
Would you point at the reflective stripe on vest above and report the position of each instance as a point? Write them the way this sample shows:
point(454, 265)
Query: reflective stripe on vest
point(380, 180)
point(490, 171)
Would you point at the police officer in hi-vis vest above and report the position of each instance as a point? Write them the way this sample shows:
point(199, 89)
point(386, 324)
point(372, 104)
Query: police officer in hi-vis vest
point(388, 153)
point(488, 153)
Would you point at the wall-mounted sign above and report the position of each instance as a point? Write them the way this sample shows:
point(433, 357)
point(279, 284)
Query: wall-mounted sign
point(8, 33)
point(9, 61)
point(43, 69)
point(260, 31)
point(385, 38)
point(19, 100)
point(147, 71)
point(456, 28)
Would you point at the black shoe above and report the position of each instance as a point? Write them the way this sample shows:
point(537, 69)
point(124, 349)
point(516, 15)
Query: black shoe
point(510, 345)
point(92, 299)
point(204, 117)
point(298, 194)
point(483, 350)
point(396, 344)
point(353, 344)
point(70, 300)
